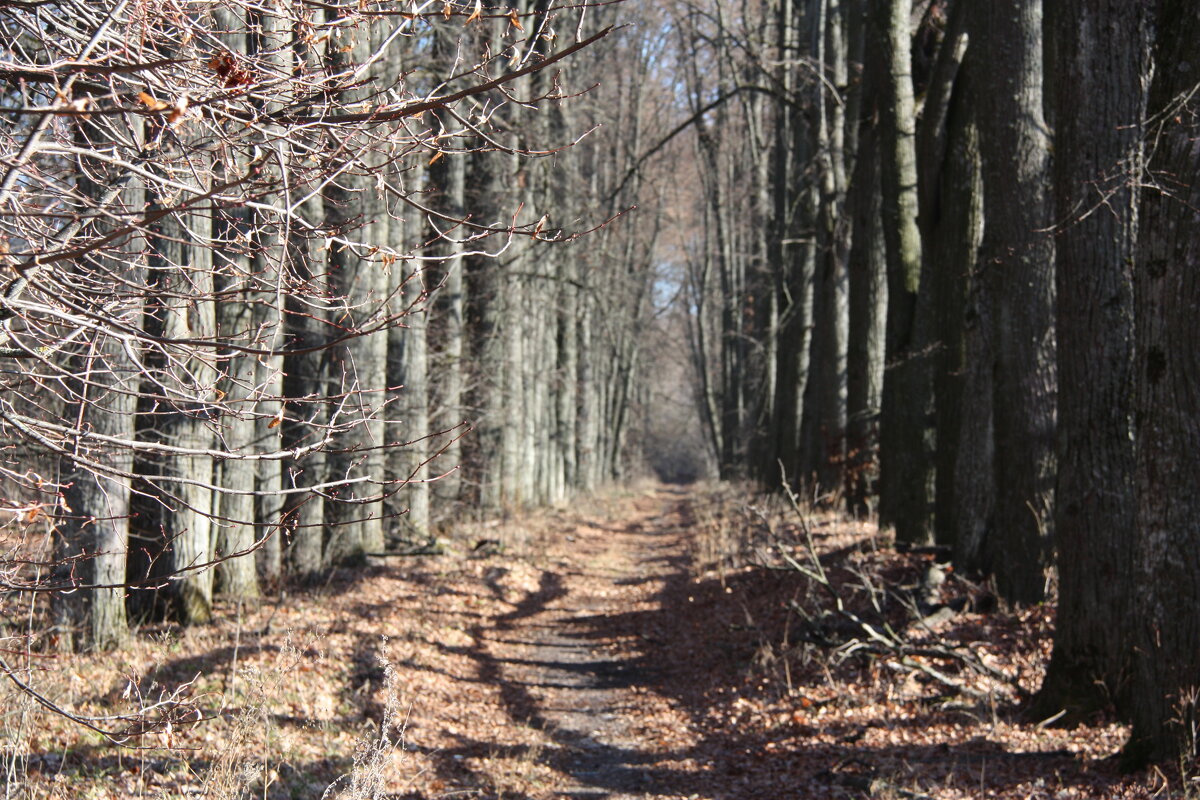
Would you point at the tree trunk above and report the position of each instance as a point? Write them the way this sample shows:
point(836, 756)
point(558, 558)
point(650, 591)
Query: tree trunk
point(868, 312)
point(1017, 257)
point(235, 317)
point(451, 303)
point(185, 275)
point(272, 262)
point(905, 467)
point(1098, 144)
point(97, 531)
point(825, 407)
point(355, 204)
point(954, 250)
point(1166, 296)
point(408, 372)
point(951, 227)
point(94, 537)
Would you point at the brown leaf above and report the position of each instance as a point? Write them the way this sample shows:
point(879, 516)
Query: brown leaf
point(515, 19)
point(151, 102)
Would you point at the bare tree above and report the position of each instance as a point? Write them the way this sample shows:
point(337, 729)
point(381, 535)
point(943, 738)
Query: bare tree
point(189, 195)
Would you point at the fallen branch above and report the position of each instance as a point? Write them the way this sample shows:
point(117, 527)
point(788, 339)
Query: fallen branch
point(877, 637)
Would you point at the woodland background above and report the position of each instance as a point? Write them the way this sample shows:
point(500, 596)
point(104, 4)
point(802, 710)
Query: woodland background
point(292, 286)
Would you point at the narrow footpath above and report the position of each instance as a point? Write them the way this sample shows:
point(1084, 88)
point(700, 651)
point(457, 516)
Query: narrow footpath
point(572, 659)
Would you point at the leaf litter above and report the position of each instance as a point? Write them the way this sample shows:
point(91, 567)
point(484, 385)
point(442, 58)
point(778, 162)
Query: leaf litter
point(654, 643)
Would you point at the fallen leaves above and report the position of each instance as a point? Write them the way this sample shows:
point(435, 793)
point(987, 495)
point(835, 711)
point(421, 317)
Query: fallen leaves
point(687, 706)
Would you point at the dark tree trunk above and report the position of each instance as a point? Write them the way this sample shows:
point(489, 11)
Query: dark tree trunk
point(953, 250)
point(906, 479)
point(306, 376)
point(868, 312)
point(1101, 77)
point(1167, 370)
point(951, 227)
point(1018, 266)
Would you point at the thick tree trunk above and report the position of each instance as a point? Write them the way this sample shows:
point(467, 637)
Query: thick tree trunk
point(951, 194)
point(408, 372)
point(905, 467)
point(1101, 101)
point(868, 313)
point(355, 204)
point(272, 263)
point(954, 248)
point(235, 317)
point(235, 532)
point(306, 376)
point(973, 500)
point(185, 272)
point(1167, 370)
point(95, 535)
point(1017, 257)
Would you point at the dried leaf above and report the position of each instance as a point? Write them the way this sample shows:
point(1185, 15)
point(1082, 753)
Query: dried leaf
point(232, 75)
point(180, 111)
point(151, 102)
point(276, 421)
point(515, 19)
point(436, 157)
point(476, 14)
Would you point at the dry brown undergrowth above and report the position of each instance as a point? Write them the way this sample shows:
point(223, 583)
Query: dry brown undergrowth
point(385, 682)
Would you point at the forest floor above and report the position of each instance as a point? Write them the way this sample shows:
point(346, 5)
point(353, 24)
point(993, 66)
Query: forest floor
point(650, 644)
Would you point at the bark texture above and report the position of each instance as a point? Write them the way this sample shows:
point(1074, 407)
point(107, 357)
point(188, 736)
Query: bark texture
point(1167, 370)
point(906, 478)
point(1018, 266)
point(1102, 52)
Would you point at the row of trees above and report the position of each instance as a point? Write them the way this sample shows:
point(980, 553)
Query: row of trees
point(945, 263)
point(267, 265)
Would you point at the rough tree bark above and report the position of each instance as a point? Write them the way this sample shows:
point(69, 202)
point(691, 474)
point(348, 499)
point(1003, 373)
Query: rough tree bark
point(905, 469)
point(359, 367)
point(867, 270)
point(1018, 266)
point(1167, 378)
point(1103, 57)
point(235, 317)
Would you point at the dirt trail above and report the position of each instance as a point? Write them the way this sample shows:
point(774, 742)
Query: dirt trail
point(570, 657)
point(587, 661)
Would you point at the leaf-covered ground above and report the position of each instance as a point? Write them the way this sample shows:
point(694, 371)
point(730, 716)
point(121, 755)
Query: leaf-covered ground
point(655, 644)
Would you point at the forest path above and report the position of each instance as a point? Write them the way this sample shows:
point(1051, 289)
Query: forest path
point(571, 660)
